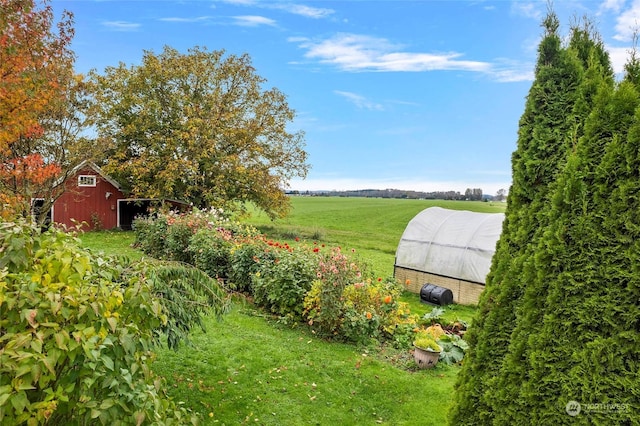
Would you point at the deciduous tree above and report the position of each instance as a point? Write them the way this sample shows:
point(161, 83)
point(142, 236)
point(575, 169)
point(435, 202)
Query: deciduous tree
point(199, 127)
point(35, 65)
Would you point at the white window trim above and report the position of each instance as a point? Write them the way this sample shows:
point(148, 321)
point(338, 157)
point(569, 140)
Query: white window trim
point(93, 178)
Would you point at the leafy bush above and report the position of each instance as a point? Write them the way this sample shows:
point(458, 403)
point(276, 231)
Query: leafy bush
point(281, 285)
point(210, 251)
point(177, 241)
point(186, 294)
point(247, 258)
point(151, 234)
point(377, 302)
point(341, 304)
point(166, 235)
point(77, 333)
point(453, 348)
point(324, 307)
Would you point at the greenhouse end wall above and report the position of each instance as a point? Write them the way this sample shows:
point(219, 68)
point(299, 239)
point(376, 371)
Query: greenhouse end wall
point(464, 292)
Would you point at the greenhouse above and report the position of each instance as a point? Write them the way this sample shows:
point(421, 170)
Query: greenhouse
point(448, 248)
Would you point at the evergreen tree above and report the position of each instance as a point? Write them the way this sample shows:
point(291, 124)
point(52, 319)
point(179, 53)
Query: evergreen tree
point(585, 346)
point(534, 383)
point(549, 128)
point(596, 86)
point(575, 314)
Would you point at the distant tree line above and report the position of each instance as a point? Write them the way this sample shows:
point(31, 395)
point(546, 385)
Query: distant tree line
point(475, 194)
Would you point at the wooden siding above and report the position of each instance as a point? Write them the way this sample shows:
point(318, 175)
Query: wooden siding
point(464, 292)
point(88, 204)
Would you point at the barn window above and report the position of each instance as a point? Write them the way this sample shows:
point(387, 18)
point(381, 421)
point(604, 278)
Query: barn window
point(86, 180)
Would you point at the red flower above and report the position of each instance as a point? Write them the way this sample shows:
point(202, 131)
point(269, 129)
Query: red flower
point(388, 300)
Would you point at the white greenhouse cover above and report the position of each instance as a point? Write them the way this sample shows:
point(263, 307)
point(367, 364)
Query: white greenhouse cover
point(453, 243)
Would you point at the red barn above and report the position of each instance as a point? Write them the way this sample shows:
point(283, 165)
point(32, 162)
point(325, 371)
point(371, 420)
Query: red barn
point(92, 197)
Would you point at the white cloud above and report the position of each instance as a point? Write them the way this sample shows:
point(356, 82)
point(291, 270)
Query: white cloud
point(253, 21)
point(528, 9)
point(359, 101)
point(628, 22)
point(508, 71)
point(353, 52)
point(186, 20)
point(306, 11)
point(295, 9)
point(619, 57)
point(611, 5)
point(121, 25)
point(357, 53)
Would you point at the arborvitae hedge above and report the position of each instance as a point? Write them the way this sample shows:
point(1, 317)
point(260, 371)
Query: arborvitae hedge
point(542, 147)
point(496, 384)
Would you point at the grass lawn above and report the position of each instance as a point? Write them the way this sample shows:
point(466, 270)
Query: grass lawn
point(249, 369)
point(115, 243)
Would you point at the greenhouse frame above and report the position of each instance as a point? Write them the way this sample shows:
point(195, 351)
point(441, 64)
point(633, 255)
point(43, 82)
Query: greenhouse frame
point(448, 248)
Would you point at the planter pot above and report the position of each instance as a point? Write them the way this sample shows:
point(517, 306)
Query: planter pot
point(425, 358)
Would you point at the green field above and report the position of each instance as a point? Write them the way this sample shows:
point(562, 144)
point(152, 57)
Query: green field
point(371, 226)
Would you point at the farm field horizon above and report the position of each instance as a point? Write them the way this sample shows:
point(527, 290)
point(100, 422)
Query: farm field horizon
point(372, 227)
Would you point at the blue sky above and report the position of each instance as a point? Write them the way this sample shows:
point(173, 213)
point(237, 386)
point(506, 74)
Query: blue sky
point(421, 95)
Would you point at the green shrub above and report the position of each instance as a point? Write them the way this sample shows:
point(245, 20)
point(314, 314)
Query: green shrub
point(77, 334)
point(344, 305)
point(282, 284)
point(151, 234)
point(247, 258)
point(373, 311)
point(177, 239)
point(210, 251)
point(453, 348)
point(323, 306)
point(186, 294)
point(166, 235)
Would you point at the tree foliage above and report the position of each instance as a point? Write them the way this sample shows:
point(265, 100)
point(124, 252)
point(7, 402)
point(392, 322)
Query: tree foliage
point(569, 81)
point(77, 332)
point(42, 106)
point(198, 127)
point(30, 54)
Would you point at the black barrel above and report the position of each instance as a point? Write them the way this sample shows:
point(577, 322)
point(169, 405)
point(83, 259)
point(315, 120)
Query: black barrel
point(431, 293)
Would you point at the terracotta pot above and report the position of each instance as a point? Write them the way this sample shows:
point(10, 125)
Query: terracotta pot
point(425, 358)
